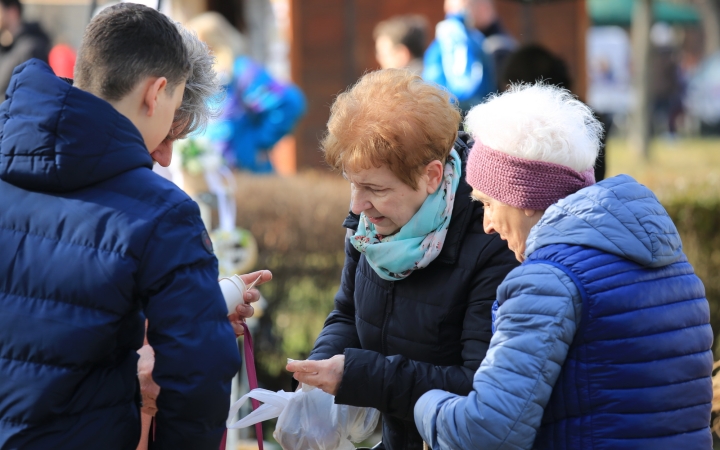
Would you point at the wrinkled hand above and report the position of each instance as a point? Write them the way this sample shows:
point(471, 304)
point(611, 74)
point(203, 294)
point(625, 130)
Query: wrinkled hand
point(245, 310)
point(325, 374)
point(148, 388)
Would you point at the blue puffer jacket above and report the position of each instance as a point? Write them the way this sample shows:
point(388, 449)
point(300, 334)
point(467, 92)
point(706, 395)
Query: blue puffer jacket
point(602, 338)
point(457, 61)
point(93, 241)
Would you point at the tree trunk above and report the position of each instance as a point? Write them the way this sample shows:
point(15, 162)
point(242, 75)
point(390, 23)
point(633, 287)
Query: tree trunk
point(710, 17)
point(640, 119)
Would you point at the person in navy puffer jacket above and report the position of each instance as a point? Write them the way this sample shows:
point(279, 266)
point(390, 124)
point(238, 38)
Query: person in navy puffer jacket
point(601, 337)
point(413, 312)
point(94, 242)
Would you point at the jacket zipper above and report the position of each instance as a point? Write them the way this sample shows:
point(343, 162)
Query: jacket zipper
point(388, 311)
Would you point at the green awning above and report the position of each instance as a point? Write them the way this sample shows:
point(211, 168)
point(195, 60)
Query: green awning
point(619, 12)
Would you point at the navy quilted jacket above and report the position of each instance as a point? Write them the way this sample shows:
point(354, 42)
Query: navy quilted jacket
point(428, 331)
point(602, 338)
point(92, 242)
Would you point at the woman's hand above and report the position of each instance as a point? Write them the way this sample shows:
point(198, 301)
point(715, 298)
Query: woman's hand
point(148, 388)
point(325, 374)
point(245, 310)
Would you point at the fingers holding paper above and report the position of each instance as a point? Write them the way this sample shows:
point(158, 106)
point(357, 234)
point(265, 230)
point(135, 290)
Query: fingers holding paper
point(325, 374)
point(245, 310)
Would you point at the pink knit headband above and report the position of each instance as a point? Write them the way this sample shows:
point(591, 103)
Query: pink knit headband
point(522, 183)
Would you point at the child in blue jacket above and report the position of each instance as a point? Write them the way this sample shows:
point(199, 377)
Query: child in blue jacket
point(94, 243)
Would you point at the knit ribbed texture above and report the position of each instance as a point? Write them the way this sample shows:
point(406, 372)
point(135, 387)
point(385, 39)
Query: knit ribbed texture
point(522, 183)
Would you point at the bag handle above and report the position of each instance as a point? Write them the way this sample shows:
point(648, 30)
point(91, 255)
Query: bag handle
point(252, 378)
point(252, 381)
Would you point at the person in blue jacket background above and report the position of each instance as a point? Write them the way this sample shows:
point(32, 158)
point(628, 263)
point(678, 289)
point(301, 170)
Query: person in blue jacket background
point(94, 242)
point(456, 59)
point(257, 110)
point(602, 336)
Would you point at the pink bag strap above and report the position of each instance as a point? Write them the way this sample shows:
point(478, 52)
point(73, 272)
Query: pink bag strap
point(252, 381)
point(252, 377)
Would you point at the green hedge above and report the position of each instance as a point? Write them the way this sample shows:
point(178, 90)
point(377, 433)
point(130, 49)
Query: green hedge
point(297, 223)
point(699, 225)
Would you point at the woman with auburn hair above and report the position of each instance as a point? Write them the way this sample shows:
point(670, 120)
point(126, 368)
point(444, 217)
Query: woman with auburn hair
point(601, 337)
point(413, 311)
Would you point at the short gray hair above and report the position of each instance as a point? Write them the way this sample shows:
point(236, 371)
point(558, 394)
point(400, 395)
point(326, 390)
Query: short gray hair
point(202, 95)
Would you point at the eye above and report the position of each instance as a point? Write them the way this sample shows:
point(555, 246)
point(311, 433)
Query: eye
point(377, 191)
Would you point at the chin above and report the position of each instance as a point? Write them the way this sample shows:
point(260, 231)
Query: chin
point(387, 231)
point(519, 254)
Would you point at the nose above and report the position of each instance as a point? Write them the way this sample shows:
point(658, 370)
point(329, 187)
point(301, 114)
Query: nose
point(487, 223)
point(359, 202)
point(163, 153)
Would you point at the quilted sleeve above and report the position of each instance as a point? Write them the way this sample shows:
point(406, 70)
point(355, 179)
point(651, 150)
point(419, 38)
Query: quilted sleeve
point(196, 352)
point(536, 322)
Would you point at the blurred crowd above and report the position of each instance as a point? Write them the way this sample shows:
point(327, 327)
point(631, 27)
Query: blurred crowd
point(255, 111)
point(472, 54)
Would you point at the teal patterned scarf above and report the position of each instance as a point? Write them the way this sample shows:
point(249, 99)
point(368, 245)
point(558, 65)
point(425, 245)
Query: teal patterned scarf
point(420, 240)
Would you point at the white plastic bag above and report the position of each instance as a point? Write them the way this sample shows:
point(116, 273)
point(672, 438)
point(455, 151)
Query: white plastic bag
point(308, 419)
point(273, 405)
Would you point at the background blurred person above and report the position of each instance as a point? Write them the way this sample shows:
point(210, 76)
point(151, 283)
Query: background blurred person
point(602, 336)
point(703, 95)
point(19, 41)
point(498, 42)
point(257, 110)
point(400, 42)
point(533, 63)
point(667, 84)
point(420, 276)
point(456, 59)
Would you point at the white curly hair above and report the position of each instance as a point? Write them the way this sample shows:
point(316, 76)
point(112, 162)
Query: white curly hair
point(539, 122)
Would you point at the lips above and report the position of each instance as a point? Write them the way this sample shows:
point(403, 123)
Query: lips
point(376, 220)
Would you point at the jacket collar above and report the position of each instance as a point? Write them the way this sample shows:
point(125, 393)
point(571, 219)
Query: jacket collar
point(462, 209)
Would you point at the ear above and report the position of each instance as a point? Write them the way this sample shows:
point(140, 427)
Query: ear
point(532, 212)
point(434, 173)
point(152, 92)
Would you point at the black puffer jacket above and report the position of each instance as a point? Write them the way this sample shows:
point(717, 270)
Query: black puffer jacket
point(428, 331)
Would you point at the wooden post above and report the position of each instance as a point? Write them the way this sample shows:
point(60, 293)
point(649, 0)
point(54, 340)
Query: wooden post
point(710, 19)
point(639, 134)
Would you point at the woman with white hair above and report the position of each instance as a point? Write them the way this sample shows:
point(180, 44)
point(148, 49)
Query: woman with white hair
point(193, 115)
point(602, 336)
